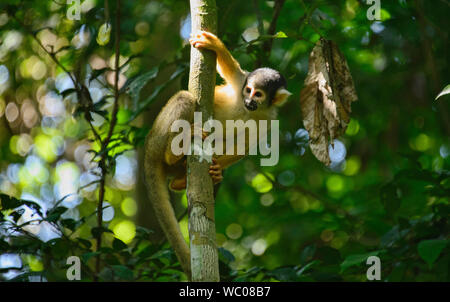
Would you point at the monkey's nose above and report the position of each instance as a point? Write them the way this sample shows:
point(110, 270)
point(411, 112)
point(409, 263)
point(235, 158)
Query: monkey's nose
point(250, 104)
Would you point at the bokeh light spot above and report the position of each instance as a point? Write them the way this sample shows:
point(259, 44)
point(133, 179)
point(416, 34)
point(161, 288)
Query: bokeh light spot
point(125, 231)
point(129, 206)
point(11, 112)
point(259, 247)
point(261, 184)
point(352, 166)
point(335, 183)
point(352, 128)
point(234, 231)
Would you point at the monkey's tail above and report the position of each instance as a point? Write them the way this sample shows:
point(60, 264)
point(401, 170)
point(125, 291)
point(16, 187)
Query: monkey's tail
point(155, 178)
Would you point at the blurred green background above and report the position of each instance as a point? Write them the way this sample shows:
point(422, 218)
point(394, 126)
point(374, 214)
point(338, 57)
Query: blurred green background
point(386, 192)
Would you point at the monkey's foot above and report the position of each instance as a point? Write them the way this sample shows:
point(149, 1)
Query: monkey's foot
point(215, 170)
point(204, 39)
point(178, 184)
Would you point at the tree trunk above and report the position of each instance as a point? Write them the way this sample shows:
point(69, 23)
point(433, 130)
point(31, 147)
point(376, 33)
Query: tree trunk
point(200, 193)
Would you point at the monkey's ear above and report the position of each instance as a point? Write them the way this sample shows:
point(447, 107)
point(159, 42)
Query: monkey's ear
point(281, 97)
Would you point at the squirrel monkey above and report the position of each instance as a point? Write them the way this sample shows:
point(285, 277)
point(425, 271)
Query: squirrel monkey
point(244, 96)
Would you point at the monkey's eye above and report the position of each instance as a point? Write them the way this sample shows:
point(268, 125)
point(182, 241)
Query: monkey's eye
point(258, 94)
point(248, 90)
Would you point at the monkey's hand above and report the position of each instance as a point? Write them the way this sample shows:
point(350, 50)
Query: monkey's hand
point(204, 39)
point(228, 68)
point(215, 170)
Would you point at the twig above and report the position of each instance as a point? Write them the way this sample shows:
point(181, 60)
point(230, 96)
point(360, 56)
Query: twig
point(305, 19)
point(259, 18)
point(273, 24)
point(80, 88)
point(51, 54)
point(105, 143)
point(267, 45)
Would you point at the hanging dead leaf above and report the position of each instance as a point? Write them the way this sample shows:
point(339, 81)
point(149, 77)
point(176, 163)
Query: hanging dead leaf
point(326, 98)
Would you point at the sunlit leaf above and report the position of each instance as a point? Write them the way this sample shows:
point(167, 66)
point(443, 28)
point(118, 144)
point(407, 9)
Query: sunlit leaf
point(445, 91)
point(261, 183)
point(280, 34)
point(104, 34)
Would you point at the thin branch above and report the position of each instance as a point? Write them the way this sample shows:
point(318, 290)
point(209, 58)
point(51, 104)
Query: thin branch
point(273, 25)
point(305, 19)
point(105, 143)
point(80, 88)
point(267, 45)
point(51, 54)
point(259, 17)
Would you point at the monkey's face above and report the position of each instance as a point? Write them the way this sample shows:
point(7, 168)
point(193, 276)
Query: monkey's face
point(263, 88)
point(253, 97)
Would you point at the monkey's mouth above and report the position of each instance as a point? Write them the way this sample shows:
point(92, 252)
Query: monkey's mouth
point(250, 104)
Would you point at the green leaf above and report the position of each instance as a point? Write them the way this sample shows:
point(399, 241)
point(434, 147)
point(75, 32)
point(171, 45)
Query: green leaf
point(357, 259)
point(123, 116)
point(97, 72)
point(118, 245)
point(86, 243)
point(226, 255)
point(145, 103)
point(429, 250)
point(280, 34)
point(86, 256)
point(134, 85)
point(167, 254)
point(104, 34)
point(9, 202)
point(97, 231)
point(67, 92)
point(306, 267)
point(123, 272)
point(284, 274)
point(69, 223)
point(307, 254)
point(445, 91)
point(54, 214)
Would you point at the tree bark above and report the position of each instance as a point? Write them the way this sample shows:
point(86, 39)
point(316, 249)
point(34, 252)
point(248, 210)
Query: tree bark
point(200, 193)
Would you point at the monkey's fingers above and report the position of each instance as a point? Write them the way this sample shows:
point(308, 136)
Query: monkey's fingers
point(204, 39)
point(217, 179)
point(215, 172)
point(198, 44)
point(209, 35)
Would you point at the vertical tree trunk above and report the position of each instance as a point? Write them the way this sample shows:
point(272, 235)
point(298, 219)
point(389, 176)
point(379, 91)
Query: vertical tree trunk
point(200, 193)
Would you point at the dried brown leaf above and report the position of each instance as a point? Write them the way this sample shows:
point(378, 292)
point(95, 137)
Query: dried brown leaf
point(326, 97)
